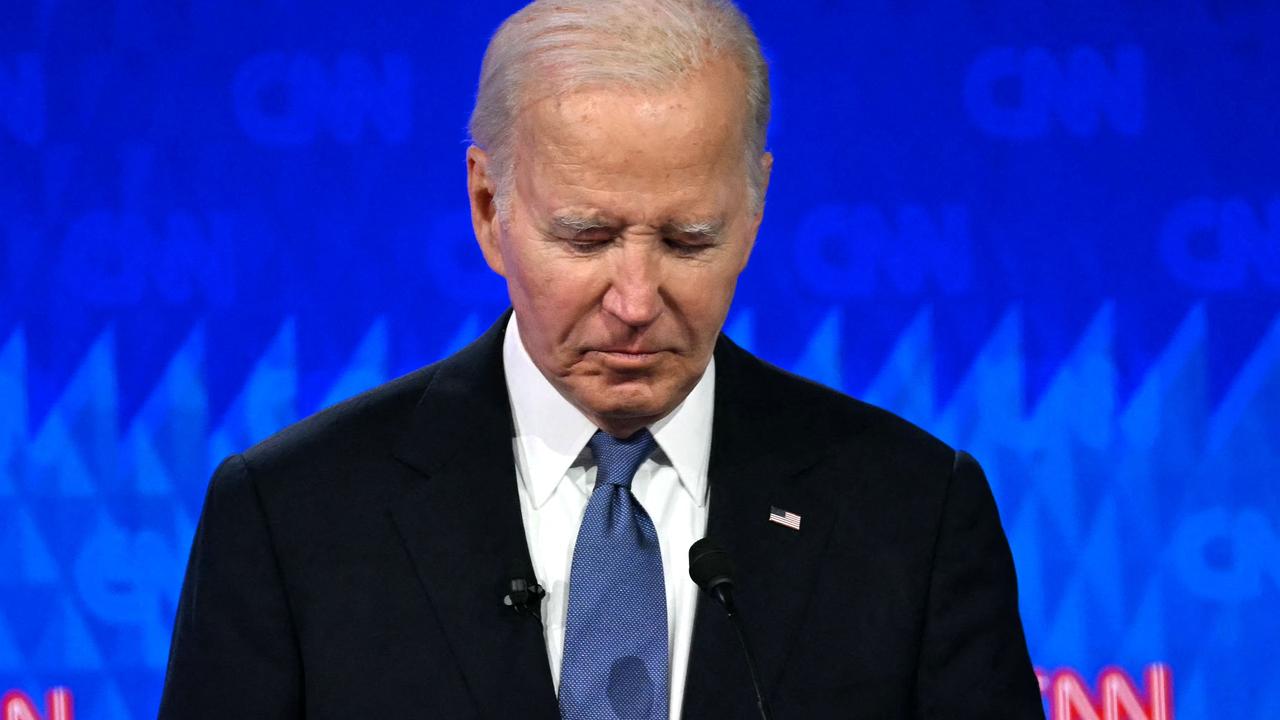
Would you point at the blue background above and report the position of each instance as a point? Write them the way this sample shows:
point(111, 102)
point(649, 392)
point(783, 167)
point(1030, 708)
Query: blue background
point(1048, 232)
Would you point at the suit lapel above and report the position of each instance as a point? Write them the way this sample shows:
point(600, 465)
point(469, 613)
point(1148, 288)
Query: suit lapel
point(761, 455)
point(459, 518)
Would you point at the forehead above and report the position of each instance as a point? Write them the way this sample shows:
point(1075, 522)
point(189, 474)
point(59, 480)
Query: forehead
point(627, 151)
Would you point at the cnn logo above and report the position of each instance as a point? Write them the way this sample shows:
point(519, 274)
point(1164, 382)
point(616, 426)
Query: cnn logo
point(1116, 698)
point(1017, 93)
point(17, 706)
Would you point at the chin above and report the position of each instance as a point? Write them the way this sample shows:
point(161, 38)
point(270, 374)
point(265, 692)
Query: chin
point(628, 400)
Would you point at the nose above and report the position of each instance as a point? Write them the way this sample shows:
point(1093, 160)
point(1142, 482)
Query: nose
point(634, 295)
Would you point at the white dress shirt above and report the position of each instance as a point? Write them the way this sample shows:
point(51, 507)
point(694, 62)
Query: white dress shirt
point(556, 474)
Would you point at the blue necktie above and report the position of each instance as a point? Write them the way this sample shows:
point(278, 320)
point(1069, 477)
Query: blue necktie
point(615, 662)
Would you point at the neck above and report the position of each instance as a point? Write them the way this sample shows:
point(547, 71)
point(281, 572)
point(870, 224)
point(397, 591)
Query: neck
point(621, 428)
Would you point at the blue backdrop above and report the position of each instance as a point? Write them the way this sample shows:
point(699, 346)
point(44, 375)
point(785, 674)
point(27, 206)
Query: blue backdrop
point(1047, 232)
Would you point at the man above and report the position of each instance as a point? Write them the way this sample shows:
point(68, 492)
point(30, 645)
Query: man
point(355, 565)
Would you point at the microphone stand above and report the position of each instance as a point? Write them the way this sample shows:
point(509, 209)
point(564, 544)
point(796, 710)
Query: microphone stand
point(726, 599)
point(710, 568)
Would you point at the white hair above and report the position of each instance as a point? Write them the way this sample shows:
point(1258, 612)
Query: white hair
point(559, 45)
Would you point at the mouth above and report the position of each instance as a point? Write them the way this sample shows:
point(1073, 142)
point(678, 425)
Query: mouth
point(628, 359)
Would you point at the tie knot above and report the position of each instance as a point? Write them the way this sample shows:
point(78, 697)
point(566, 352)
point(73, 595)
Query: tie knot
point(617, 460)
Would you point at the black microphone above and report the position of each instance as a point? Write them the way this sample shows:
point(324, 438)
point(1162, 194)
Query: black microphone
point(711, 568)
point(524, 595)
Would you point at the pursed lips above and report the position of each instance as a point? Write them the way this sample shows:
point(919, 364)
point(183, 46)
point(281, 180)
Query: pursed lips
point(628, 357)
point(629, 351)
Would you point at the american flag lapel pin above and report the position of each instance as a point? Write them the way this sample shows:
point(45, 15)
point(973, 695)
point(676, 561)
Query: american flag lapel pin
point(784, 518)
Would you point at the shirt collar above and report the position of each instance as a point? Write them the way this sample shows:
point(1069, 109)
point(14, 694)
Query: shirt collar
point(551, 432)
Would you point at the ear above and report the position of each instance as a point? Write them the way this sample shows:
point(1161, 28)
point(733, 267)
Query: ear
point(766, 164)
point(485, 222)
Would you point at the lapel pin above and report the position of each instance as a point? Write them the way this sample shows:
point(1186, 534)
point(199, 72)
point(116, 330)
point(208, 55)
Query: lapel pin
point(784, 518)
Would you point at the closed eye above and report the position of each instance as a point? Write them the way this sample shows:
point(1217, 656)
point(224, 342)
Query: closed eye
point(587, 246)
point(686, 247)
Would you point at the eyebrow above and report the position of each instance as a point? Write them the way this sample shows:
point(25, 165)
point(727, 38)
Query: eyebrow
point(581, 223)
point(709, 229)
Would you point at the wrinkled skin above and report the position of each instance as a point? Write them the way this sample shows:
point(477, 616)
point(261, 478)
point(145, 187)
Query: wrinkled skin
point(629, 222)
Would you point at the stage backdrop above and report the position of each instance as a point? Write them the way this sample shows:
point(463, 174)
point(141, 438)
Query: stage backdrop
point(1047, 232)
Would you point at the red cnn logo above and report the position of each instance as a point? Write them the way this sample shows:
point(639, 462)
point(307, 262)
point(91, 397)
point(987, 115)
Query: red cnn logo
point(1116, 699)
point(17, 706)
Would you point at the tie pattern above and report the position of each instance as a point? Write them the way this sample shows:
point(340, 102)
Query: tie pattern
point(615, 664)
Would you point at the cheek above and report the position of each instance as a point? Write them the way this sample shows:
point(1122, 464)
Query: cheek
point(704, 294)
point(533, 273)
point(563, 289)
point(555, 296)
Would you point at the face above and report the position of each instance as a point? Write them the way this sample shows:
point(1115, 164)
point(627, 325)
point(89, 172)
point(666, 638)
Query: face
point(629, 222)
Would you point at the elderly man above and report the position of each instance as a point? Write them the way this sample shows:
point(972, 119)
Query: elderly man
point(368, 561)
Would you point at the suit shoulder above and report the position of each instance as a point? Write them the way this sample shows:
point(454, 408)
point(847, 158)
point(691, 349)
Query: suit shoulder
point(840, 418)
point(363, 424)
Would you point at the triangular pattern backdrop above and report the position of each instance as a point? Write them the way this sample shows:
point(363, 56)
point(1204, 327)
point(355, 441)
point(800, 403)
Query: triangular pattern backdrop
point(1050, 236)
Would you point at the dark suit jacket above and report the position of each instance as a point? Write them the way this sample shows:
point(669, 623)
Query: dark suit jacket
point(353, 565)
